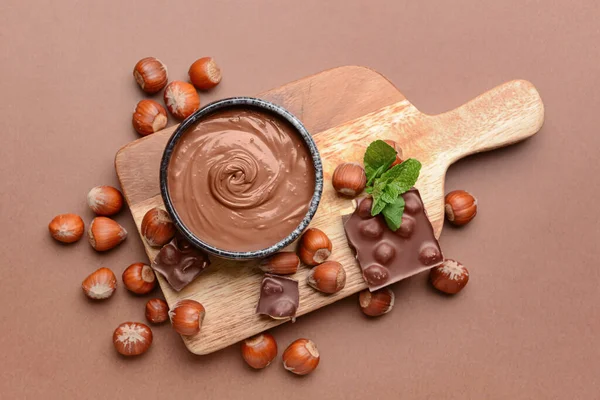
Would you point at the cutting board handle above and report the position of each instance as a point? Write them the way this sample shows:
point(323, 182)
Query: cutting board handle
point(504, 115)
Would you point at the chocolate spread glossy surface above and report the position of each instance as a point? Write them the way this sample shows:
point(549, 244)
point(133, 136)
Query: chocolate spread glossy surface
point(241, 180)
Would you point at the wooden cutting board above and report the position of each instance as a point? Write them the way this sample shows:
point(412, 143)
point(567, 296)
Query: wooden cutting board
point(345, 109)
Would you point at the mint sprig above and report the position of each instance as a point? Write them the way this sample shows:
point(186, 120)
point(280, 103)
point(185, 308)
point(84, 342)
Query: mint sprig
point(386, 185)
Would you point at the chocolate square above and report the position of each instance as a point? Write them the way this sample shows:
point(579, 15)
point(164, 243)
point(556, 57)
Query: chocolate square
point(279, 297)
point(180, 263)
point(386, 256)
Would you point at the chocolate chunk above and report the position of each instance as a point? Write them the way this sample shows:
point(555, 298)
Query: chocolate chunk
point(279, 297)
point(386, 256)
point(179, 262)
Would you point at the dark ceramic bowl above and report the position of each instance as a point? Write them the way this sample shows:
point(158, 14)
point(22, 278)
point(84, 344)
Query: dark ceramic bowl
point(247, 103)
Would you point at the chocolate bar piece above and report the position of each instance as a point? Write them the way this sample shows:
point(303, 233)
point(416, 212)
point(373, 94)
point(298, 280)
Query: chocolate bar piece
point(386, 256)
point(279, 297)
point(180, 262)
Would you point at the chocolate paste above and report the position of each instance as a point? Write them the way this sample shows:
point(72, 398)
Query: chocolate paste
point(386, 256)
point(241, 180)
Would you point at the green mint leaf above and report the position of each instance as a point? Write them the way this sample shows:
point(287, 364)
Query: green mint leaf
point(378, 206)
point(378, 158)
point(392, 192)
point(403, 176)
point(392, 213)
point(369, 190)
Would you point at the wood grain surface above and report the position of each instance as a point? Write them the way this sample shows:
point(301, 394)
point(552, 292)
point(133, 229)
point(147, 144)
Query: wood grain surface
point(345, 109)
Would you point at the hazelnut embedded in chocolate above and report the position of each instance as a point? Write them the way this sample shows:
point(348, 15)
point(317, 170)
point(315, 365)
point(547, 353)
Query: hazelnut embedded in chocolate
point(429, 254)
point(407, 227)
point(270, 287)
point(384, 253)
point(412, 204)
point(372, 228)
point(364, 208)
point(180, 263)
point(376, 275)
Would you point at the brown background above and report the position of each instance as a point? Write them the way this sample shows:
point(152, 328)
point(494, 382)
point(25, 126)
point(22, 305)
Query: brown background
point(525, 327)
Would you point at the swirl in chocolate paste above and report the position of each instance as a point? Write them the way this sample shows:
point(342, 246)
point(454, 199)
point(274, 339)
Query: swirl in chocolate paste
point(241, 180)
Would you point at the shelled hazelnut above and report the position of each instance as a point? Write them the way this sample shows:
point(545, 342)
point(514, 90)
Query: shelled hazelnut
point(66, 228)
point(259, 351)
point(181, 99)
point(157, 311)
point(315, 247)
point(132, 338)
point(349, 179)
point(105, 234)
point(460, 207)
point(187, 316)
point(139, 278)
point(301, 357)
point(105, 200)
point(157, 227)
point(148, 117)
point(450, 277)
point(282, 263)
point(376, 303)
point(204, 73)
point(100, 284)
point(329, 277)
point(151, 74)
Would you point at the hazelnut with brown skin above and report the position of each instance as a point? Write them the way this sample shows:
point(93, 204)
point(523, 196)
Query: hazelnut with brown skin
point(139, 278)
point(460, 207)
point(132, 338)
point(259, 351)
point(157, 227)
point(376, 303)
point(105, 234)
point(187, 316)
point(105, 200)
point(100, 284)
point(329, 277)
point(349, 179)
point(149, 117)
point(181, 99)
point(301, 357)
point(450, 277)
point(282, 263)
point(157, 311)
point(314, 247)
point(66, 228)
point(205, 73)
point(151, 74)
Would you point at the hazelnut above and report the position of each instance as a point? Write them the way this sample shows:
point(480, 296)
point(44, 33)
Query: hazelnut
point(371, 228)
point(100, 284)
point(301, 357)
point(364, 208)
point(376, 275)
point(376, 303)
point(104, 234)
point(461, 207)
point(384, 253)
point(150, 74)
point(181, 99)
point(132, 338)
point(450, 277)
point(259, 351)
point(429, 254)
point(105, 200)
point(329, 277)
point(187, 316)
point(349, 179)
point(396, 147)
point(139, 278)
point(157, 227)
point(314, 247)
point(407, 227)
point(66, 228)
point(157, 311)
point(205, 73)
point(149, 117)
point(282, 263)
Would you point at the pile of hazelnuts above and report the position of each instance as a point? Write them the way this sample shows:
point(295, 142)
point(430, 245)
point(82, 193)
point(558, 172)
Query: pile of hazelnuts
point(180, 98)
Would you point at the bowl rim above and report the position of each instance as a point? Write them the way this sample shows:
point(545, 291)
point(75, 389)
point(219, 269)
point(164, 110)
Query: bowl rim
point(242, 102)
